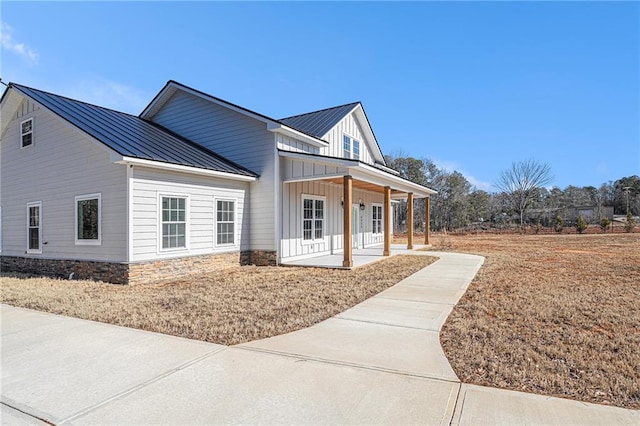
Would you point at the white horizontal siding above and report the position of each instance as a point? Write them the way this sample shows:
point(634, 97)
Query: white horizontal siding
point(147, 185)
point(292, 244)
point(347, 126)
point(61, 164)
point(239, 138)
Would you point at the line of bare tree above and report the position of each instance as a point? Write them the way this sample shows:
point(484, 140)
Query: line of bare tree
point(522, 198)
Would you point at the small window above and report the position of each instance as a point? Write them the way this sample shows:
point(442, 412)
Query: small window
point(26, 133)
point(174, 223)
point(88, 223)
point(356, 149)
point(313, 219)
point(225, 222)
point(34, 227)
point(377, 219)
point(346, 146)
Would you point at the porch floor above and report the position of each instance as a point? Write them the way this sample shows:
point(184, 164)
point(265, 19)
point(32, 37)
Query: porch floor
point(361, 257)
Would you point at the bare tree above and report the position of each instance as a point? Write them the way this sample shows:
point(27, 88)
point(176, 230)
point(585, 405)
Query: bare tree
point(522, 182)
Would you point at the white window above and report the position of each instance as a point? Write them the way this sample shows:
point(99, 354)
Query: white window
point(313, 218)
point(346, 146)
point(350, 147)
point(377, 219)
point(26, 133)
point(174, 223)
point(34, 227)
point(88, 219)
point(225, 222)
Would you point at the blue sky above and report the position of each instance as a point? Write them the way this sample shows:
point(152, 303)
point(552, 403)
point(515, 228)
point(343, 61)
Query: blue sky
point(474, 86)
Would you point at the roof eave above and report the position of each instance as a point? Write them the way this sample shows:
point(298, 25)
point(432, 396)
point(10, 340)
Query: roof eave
point(291, 132)
point(182, 168)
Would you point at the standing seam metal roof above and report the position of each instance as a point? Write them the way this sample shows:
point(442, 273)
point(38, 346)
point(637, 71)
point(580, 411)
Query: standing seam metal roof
point(318, 123)
point(133, 136)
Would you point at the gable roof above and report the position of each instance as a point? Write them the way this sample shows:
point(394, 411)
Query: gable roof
point(132, 136)
point(318, 123)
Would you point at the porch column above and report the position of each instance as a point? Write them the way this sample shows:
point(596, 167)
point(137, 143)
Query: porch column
point(387, 220)
point(347, 182)
point(410, 221)
point(427, 220)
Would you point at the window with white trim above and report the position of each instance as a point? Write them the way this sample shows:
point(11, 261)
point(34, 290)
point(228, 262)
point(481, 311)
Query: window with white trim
point(346, 146)
point(377, 219)
point(174, 223)
point(88, 219)
point(313, 218)
point(350, 147)
point(225, 222)
point(26, 133)
point(34, 227)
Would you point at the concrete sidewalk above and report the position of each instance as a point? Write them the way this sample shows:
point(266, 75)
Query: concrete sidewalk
point(377, 363)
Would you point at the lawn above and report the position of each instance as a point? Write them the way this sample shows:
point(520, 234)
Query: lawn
point(232, 306)
point(556, 314)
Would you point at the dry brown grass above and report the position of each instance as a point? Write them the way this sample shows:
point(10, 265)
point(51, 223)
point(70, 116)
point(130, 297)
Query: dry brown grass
point(556, 314)
point(230, 307)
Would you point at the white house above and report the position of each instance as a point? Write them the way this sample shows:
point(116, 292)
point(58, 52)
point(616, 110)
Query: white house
point(192, 183)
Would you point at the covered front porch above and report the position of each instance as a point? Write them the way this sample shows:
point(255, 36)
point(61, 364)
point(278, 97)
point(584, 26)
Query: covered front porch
point(345, 219)
point(360, 257)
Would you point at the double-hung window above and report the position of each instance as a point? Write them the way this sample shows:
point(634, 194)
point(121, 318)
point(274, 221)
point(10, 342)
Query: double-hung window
point(88, 222)
point(26, 133)
point(346, 146)
point(313, 218)
point(377, 219)
point(174, 223)
point(225, 222)
point(34, 227)
point(350, 147)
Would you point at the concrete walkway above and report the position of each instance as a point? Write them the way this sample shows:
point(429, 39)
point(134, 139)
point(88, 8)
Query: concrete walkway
point(377, 363)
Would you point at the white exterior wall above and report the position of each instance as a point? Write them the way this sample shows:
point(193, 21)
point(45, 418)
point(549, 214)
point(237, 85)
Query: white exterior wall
point(293, 246)
point(347, 126)
point(148, 185)
point(61, 164)
point(239, 138)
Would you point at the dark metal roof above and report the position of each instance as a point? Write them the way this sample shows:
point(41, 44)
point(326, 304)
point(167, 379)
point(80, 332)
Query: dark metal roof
point(318, 123)
point(133, 136)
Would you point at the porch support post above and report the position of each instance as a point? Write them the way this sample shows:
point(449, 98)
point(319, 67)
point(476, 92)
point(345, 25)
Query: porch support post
point(347, 182)
point(410, 221)
point(387, 221)
point(427, 221)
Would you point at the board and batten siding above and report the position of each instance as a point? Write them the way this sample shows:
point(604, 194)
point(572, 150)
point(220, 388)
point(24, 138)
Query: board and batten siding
point(292, 244)
point(347, 126)
point(148, 185)
point(61, 164)
point(239, 138)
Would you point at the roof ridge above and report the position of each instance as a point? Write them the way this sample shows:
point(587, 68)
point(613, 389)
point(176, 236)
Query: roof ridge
point(71, 99)
point(321, 110)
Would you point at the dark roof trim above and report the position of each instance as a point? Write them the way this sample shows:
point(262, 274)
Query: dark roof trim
point(322, 110)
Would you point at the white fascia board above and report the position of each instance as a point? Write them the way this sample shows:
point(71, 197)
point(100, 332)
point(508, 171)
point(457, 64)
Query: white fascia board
point(366, 127)
point(288, 131)
point(373, 175)
point(181, 168)
point(366, 173)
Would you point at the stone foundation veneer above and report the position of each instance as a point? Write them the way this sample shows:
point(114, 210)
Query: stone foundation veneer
point(135, 273)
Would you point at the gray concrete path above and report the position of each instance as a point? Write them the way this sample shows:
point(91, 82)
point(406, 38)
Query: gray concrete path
point(377, 363)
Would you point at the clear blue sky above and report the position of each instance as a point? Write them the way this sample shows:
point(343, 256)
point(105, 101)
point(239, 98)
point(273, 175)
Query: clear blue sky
point(473, 86)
